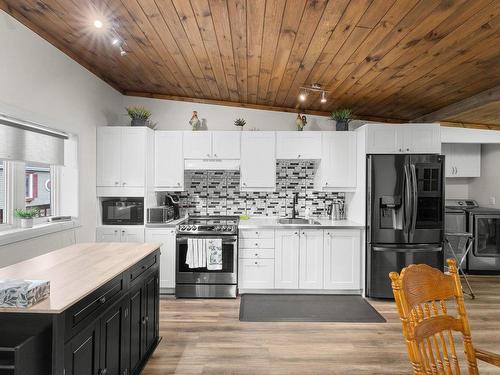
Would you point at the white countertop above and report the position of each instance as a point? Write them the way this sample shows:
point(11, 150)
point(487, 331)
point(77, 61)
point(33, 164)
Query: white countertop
point(272, 222)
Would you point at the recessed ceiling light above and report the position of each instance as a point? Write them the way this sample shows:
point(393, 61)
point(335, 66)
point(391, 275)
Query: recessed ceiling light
point(115, 41)
point(98, 24)
point(302, 97)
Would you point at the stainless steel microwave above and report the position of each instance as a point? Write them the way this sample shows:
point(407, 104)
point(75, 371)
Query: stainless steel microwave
point(123, 211)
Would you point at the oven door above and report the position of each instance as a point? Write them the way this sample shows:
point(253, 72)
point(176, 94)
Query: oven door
point(227, 275)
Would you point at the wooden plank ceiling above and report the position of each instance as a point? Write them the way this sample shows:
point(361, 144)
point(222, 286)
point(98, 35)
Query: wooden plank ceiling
point(398, 59)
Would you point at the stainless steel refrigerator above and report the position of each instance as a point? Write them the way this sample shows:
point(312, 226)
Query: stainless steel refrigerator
point(405, 216)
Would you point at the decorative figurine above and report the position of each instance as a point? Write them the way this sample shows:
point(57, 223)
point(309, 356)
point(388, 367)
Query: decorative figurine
point(301, 122)
point(195, 121)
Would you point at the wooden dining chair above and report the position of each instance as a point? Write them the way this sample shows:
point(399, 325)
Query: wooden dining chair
point(431, 307)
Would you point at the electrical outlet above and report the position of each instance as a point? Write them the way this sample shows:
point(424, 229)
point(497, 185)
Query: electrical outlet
point(493, 201)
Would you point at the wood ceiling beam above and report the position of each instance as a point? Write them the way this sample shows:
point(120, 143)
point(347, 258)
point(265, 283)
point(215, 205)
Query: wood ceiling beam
point(469, 125)
point(252, 106)
point(475, 101)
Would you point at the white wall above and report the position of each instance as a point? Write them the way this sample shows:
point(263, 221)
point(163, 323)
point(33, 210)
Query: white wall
point(488, 185)
point(40, 83)
point(457, 188)
point(175, 115)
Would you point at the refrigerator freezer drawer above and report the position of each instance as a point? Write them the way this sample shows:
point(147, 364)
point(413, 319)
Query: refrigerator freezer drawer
point(384, 260)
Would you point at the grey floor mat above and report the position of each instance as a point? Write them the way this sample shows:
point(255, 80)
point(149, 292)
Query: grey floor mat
point(307, 308)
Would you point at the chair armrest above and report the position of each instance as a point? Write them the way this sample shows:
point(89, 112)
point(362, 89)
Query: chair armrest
point(491, 358)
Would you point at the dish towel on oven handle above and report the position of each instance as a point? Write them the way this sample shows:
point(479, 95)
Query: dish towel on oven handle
point(214, 254)
point(196, 255)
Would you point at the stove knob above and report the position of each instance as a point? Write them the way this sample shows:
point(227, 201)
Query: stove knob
point(224, 228)
point(193, 227)
point(182, 227)
point(218, 228)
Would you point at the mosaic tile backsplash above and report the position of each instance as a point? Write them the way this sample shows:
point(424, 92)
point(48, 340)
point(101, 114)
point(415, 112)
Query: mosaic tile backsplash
point(218, 193)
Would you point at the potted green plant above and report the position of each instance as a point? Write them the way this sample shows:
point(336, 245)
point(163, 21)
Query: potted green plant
point(342, 117)
point(26, 215)
point(240, 122)
point(139, 116)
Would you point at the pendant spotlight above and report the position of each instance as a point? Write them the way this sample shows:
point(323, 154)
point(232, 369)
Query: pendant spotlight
point(315, 87)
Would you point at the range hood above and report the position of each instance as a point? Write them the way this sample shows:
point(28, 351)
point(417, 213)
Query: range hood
point(212, 164)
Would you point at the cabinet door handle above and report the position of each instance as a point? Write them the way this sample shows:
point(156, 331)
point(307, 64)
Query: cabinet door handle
point(208, 155)
point(144, 321)
point(215, 155)
point(256, 254)
point(117, 183)
point(256, 263)
point(102, 300)
point(296, 233)
point(300, 155)
point(116, 230)
point(178, 184)
point(326, 183)
point(147, 319)
point(256, 244)
point(124, 183)
point(407, 149)
point(102, 371)
point(400, 150)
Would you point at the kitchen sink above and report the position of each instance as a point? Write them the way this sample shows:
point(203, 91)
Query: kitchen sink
point(297, 220)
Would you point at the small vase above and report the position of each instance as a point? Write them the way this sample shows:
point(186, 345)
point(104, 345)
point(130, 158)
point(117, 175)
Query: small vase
point(138, 122)
point(342, 126)
point(27, 223)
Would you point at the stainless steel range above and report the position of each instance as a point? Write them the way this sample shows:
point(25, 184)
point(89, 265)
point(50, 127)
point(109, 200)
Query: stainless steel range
point(201, 282)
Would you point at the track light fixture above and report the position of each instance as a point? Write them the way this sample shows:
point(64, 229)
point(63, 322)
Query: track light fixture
point(315, 87)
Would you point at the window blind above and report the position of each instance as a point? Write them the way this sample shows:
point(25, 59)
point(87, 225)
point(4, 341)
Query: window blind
point(30, 142)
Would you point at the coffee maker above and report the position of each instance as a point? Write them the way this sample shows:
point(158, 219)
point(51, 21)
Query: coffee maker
point(172, 200)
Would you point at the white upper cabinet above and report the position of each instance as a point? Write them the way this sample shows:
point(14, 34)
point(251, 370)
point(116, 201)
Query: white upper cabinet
point(133, 157)
point(337, 169)
point(169, 160)
point(342, 255)
point(258, 161)
point(121, 157)
point(422, 138)
point(212, 144)
point(462, 159)
point(311, 259)
point(403, 138)
point(226, 144)
point(286, 262)
point(298, 145)
point(109, 156)
point(197, 145)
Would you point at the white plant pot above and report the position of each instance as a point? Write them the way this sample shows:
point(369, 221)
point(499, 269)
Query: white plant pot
point(27, 223)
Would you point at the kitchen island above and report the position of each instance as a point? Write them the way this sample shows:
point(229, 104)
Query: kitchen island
point(101, 316)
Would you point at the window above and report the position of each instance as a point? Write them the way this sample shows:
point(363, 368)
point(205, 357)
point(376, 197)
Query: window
point(38, 191)
point(2, 193)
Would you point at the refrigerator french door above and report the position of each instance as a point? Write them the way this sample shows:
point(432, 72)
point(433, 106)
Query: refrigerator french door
point(405, 216)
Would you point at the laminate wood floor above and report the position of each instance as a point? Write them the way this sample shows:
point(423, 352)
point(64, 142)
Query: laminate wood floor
point(206, 337)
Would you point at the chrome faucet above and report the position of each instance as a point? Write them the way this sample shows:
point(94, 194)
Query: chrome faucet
point(295, 202)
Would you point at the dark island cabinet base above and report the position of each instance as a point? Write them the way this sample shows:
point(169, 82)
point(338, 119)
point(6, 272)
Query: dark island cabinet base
point(115, 338)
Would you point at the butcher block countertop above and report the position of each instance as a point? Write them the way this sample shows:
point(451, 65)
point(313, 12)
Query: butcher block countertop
point(75, 271)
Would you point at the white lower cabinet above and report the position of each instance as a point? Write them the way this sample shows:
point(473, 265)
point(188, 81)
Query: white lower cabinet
point(256, 274)
point(167, 258)
point(311, 259)
point(286, 263)
point(301, 259)
point(342, 259)
point(119, 234)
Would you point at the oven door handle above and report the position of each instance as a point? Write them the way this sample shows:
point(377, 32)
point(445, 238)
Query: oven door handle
point(225, 239)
